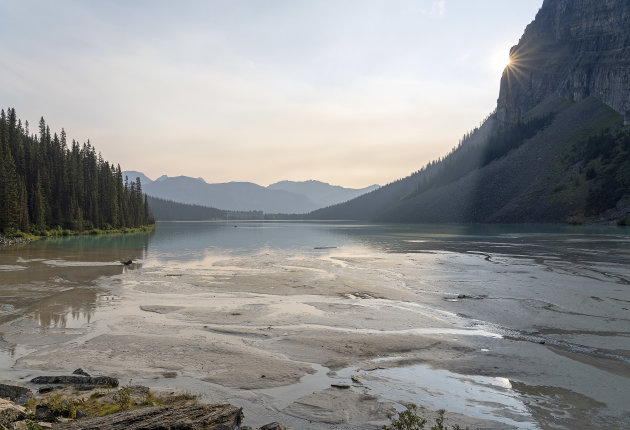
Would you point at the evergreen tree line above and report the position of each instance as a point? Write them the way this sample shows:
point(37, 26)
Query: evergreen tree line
point(606, 164)
point(44, 184)
point(464, 158)
point(168, 210)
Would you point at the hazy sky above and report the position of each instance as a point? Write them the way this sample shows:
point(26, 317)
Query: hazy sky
point(352, 92)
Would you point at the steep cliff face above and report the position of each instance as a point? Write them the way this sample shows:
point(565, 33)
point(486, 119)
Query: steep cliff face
point(573, 49)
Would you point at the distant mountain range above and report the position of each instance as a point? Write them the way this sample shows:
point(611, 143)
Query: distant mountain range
point(556, 149)
point(282, 197)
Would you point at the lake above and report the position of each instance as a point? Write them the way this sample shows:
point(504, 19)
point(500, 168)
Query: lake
point(519, 326)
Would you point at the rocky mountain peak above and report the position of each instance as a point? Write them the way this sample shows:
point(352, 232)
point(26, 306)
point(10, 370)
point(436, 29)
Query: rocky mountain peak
point(573, 49)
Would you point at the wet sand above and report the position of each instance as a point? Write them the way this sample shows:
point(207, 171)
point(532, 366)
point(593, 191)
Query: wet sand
point(272, 329)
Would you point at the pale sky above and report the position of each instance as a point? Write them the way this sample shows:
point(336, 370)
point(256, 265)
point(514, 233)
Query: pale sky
point(350, 92)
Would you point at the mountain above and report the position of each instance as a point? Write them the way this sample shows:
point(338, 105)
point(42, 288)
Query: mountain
point(236, 196)
point(282, 197)
point(132, 175)
point(573, 49)
point(556, 149)
point(321, 193)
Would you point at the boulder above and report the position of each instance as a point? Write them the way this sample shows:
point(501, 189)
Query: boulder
point(105, 381)
point(43, 413)
point(18, 395)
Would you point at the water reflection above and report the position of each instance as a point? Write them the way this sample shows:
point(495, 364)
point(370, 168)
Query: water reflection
point(54, 278)
point(192, 241)
point(67, 309)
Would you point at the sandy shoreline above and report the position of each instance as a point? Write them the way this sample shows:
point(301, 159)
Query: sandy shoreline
point(239, 327)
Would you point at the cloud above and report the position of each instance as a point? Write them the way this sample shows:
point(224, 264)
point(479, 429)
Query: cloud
point(438, 8)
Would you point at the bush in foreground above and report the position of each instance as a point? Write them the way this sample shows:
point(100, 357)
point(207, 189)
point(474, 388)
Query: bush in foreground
point(410, 420)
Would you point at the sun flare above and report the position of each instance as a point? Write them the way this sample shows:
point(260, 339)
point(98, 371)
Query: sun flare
point(499, 60)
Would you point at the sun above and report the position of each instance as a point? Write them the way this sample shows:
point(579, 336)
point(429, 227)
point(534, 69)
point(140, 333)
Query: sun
point(498, 60)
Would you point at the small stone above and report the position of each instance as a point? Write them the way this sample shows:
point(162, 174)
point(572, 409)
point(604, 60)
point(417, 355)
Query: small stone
point(81, 414)
point(45, 390)
point(81, 372)
point(273, 426)
point(340, 386)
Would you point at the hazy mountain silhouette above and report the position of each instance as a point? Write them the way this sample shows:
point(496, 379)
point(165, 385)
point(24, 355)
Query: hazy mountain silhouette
point(321, 193)
point(281, 197)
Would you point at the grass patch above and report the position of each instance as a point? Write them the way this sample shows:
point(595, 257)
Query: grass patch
point(67, 402)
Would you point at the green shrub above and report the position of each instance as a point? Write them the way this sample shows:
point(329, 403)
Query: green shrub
point(410, 420)
point(123, 397)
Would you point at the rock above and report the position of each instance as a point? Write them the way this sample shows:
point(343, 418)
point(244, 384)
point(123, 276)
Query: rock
point(197, 417)
point(356, 379)
point(18, 395)
point(81, 414)
point(10, 412)
point(81, 372)
point(44, 390)
point(43, 413)
point(574, 49)
point(273, 426)
point(340, 386)
point(105, 381)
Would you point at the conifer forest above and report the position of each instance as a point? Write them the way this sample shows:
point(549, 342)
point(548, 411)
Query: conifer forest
point(48, 184)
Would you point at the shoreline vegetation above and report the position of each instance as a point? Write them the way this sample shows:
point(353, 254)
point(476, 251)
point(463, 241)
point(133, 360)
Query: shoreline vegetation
point(18, 237)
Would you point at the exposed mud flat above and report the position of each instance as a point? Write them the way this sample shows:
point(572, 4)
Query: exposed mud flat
point(502, 331)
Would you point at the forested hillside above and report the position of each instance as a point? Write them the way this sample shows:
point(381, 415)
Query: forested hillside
point(561, 162)
point(46, 184)
point(168, 210)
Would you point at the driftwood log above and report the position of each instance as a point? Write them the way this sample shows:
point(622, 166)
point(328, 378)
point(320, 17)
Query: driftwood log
point(198, 417)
